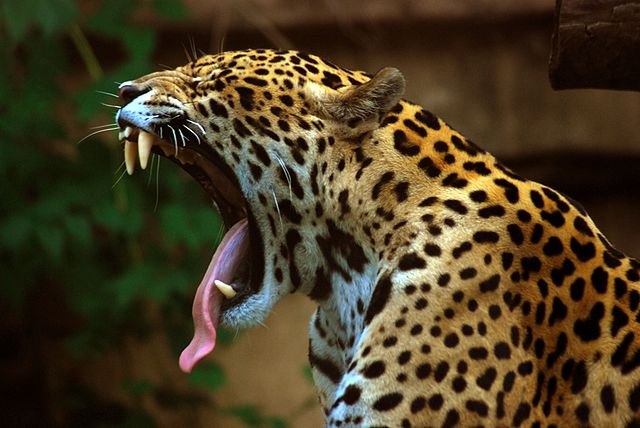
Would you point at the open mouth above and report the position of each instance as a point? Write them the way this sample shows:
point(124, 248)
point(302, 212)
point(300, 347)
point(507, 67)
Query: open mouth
point(235, 270)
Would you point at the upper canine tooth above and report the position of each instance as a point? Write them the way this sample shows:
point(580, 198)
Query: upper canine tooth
point(130, 156)
point(127, 131)
point(145, 142)
point(120, 136)
point(226, 290)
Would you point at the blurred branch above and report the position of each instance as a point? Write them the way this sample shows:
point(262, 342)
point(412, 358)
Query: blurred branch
point(86, 52)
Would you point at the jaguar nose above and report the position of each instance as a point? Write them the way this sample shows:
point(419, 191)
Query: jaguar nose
point(128, 91)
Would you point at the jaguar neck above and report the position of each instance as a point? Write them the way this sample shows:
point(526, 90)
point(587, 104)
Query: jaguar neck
point(341, 317)
point(350, 246)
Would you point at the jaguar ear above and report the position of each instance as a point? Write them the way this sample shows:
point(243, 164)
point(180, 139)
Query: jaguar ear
point(361, 103)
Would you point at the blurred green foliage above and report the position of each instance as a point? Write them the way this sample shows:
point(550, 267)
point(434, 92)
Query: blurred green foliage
point(109, 251)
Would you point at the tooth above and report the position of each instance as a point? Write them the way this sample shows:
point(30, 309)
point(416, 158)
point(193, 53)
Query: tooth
point(225, 289)
point(145, 142)
point(120, 136)
point(127, 131)
point(130, 156)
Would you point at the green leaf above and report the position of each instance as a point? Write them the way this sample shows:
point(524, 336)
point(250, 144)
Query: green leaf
point(225, 337)
point(165, 284)
point(249, 415)
point(193, 226)
point(14, 292)
point(79, 229)
point(138, 419)
point(253, 417)
point(139, 43)
point(131, 285)
point(15, 231)
point(80, 343)
point(174, 223)
point(276, 422)
point(5, 74)
point(127, 220)
point(54, 15)
point(139, 388)
point(308, 373)
point(111, 17)
point(208, 375)
point(17, 17)
point(51, 239)
point(207, 224)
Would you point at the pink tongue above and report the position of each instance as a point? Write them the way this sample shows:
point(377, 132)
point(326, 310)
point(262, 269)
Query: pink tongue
point(206, 305)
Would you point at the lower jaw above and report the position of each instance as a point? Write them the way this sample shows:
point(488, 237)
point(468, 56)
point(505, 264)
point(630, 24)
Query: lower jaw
point(224, 294)
point(204, 165)
point(242, 314)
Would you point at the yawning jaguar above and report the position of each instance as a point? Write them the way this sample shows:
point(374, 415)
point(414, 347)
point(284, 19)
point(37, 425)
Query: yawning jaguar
point(450, 290)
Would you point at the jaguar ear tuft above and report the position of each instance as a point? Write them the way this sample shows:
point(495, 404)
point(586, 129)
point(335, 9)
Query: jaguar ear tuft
point(363, 102)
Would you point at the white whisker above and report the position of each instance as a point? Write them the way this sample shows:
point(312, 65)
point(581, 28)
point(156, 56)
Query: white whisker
point(184, 143)
point(108, 93)
point(275, 200)
point(119, 168)
point(194, 50)
point(198, 125)
point(220, 232)
point(153, 158)
point(110, 105)
point(114, 128)
point(175, 138)
point(193, 132)
point(108, 125)
point(155, 208)
point(221, 44)
point(119, 178)
point(286, 173)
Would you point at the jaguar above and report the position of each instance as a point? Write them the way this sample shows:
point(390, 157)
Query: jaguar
point(450, 291)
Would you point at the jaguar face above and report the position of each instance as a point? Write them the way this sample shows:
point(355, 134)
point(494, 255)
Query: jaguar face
point(169, 114)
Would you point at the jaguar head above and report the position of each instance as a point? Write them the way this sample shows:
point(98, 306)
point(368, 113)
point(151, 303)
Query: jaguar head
point(255, 129)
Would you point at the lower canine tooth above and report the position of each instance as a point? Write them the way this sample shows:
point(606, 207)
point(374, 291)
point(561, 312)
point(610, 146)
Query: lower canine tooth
point(130, 156)
point(145, 142)
point(226, 290)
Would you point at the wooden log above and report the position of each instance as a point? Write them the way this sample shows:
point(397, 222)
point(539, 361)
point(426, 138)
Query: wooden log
point(596, 44)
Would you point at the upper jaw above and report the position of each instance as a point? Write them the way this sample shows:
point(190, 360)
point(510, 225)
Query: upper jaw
point(173, 133)
point(187, 147)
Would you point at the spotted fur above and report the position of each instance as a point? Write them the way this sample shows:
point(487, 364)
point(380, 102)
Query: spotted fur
point(450, 291)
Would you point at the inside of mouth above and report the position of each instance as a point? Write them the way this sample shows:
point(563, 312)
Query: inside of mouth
point(231, 254)
point(196, 160)
point(230, 263)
